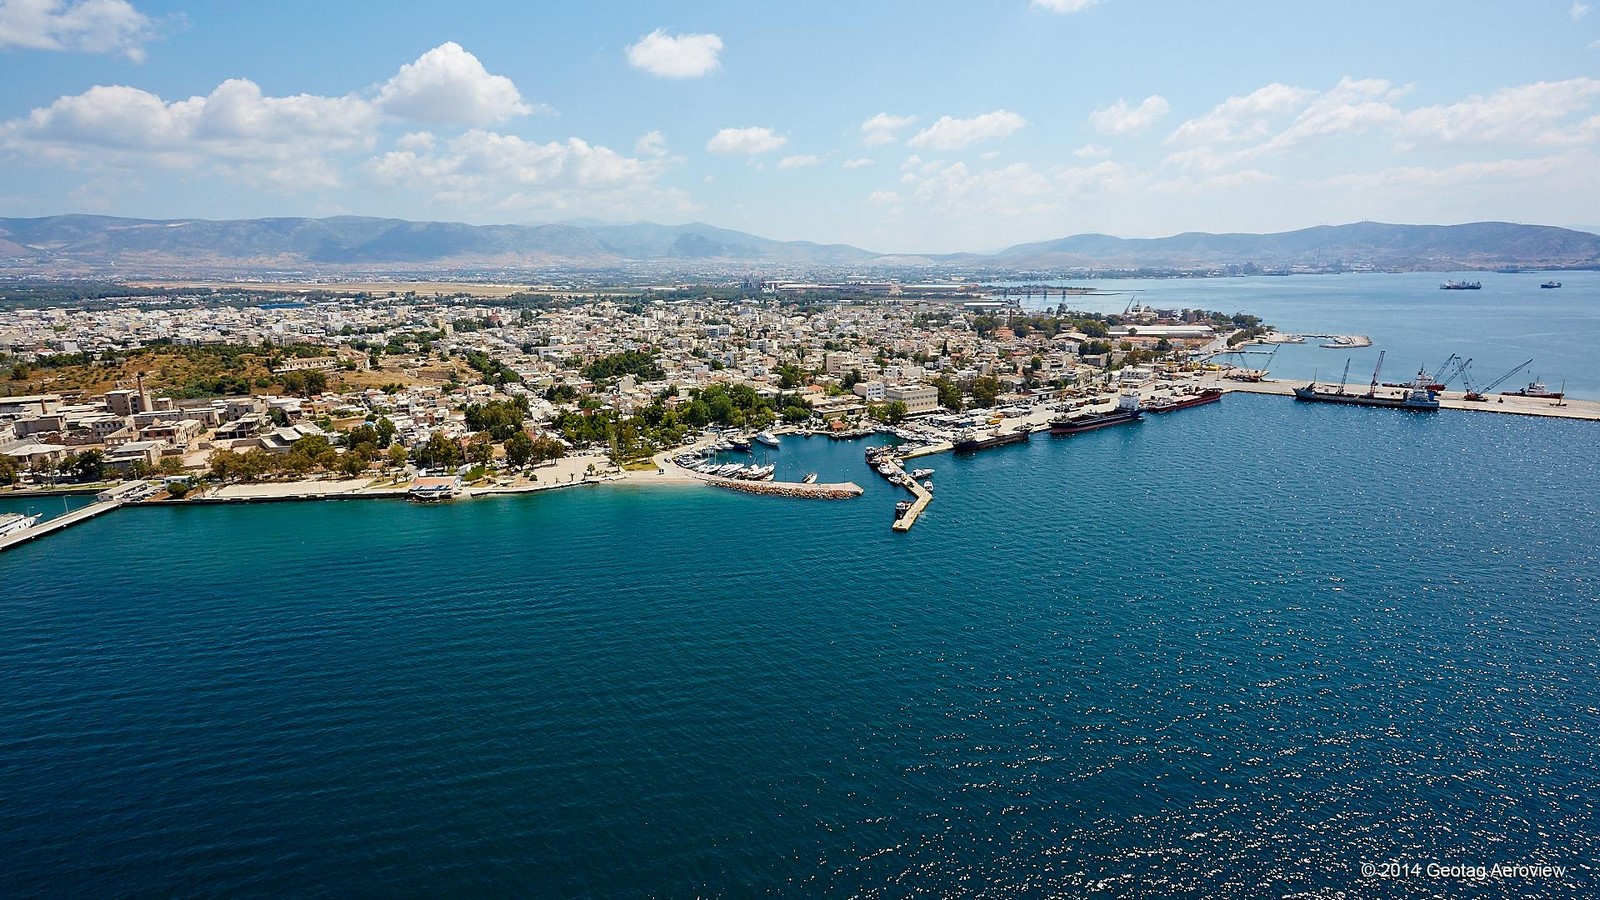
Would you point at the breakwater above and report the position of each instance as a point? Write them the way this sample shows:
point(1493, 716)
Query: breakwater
point(842, 491)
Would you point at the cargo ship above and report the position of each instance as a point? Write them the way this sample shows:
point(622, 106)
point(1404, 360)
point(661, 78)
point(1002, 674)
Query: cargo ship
point(1417, 395)
point(1461, 286)
point(970, 442)
point(1209, 395)
point(1127, 410)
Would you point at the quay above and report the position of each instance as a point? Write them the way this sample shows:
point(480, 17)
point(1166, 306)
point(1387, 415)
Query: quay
point(105, 502)
point(1587, 410)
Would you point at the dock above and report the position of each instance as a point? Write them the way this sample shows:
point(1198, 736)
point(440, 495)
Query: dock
point(905, 522)
point(1588, 410)
point(898, 476)
point(65, 520)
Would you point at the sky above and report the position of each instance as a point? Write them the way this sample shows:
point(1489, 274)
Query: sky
point(893, 125)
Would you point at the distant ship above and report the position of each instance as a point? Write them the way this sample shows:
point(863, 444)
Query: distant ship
point(1417, 396)
point(1550, 285)
point(1461, 286)
point(970, 442)
point(1534, 389)
point(1209, 395)
point(1127, 410)
point(10, 523)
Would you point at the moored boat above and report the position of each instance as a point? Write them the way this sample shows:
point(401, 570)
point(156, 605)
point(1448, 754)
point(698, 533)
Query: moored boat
point(11, 523)
point(768, 438)
point(1209, 395)
point(1128, 410)
point(1534, 389)
point(973, 441)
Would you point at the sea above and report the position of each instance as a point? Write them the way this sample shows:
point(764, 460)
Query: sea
point(1250, 649)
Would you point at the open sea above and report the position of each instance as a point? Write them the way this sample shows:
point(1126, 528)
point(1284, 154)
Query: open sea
point(1242, 650)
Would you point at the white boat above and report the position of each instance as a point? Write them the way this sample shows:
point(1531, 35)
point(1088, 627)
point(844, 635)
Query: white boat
point(811, 478)
point(11, 523)
point(920, 474)
point(768, 438)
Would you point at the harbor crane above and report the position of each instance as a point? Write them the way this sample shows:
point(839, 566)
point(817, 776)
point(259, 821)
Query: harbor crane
point(1443, 379)
point(1482, 395)
point(1372, 390)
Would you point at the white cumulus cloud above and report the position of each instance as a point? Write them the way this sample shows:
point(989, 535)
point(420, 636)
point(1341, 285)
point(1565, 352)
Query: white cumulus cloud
point(1120, 118)
point(234, 131)
point(676, 55)
point(1578, 11)
point(1063, 6)
point(953, 134)
point(857, 163)
point(799, 162)
point(883, 128)
point(481, 169)
point(90, 26)
point(651, 144)
point(745, 141)
point(449, 86)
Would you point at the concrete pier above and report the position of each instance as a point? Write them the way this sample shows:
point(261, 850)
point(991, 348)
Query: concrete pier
point(65, 520)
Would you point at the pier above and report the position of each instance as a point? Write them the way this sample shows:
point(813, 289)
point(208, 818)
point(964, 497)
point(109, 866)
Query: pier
point(1588, 410)
point(898, 475)
point(65, 520)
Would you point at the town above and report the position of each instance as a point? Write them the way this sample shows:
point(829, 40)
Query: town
point(270, 387)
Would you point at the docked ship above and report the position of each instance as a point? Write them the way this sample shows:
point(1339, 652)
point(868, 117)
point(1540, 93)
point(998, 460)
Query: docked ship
point(1550, 285)
point(1417, 395)
point(1127, 410)
point(1535, 389)
point(1461, 286)
point(11, 523)
point(768, 438)
point(971, 441)
point(1209, 395)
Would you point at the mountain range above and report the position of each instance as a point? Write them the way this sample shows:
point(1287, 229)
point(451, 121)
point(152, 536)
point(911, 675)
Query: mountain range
point(81, 244)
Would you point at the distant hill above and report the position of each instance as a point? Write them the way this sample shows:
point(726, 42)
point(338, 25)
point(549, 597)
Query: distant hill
point(1479, 245)
point(104, 244)
point(346, 242)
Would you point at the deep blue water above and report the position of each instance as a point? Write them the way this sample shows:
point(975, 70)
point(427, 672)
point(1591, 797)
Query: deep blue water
point(1510, 320)
point(1236, 651)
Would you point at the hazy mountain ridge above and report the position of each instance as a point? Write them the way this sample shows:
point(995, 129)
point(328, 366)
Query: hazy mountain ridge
point(102, 243)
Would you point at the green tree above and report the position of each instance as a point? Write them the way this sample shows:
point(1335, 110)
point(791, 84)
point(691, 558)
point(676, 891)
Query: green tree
point(894, 412)
point(949, 393)
point(9, 470)
point(439, 452)
point(519, 449)
point(985, 390)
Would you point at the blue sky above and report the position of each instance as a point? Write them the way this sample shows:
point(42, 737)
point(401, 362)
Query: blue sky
point(896, 126)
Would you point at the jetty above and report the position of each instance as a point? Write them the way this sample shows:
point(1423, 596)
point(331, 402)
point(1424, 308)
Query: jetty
point(105, 502)
point(1456, 400)
point(887, 458)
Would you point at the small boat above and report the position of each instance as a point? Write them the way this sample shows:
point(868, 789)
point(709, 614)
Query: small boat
point(739, 445)
point(901, 508)
point(768, 438)
point(928, 485)
point(811, 478)
point(11, 523)
point(920, 474)
point(1534, 389)
point(1550, 285)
